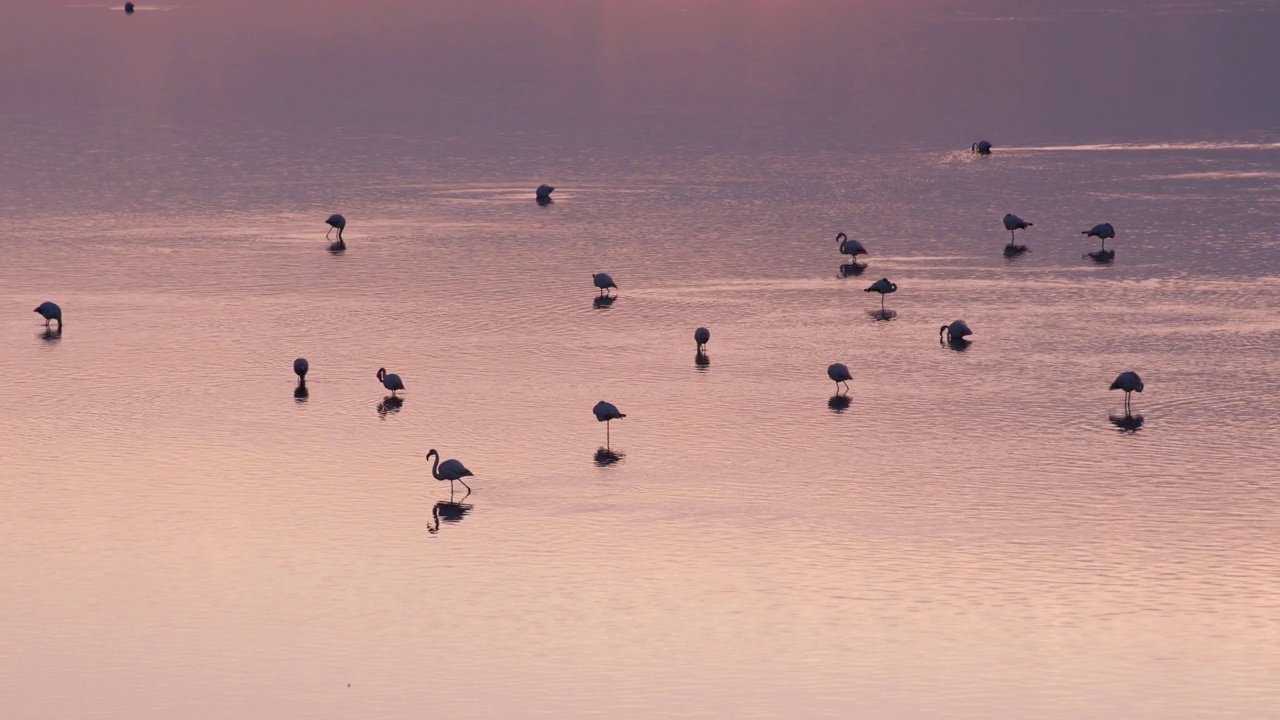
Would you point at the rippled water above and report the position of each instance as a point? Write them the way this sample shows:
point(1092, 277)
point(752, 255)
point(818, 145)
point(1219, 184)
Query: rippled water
point(973, 533)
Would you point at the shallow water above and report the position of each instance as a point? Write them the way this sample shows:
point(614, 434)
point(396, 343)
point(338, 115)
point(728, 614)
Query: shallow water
point(978, 533)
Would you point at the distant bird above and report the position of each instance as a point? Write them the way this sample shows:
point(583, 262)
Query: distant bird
point(1105, 232)
point(390, 381)
point(338, 222)
point(50, 311)
point(128, 8)
point(1013, 222)
point(335, 222)
point(450, 470)
point(701, 336)
point(839, 373)
point(884, 287)
point(852, 248)
point(300, 368)
point(982, 147)
point(955, 332)
point(604, 282)
point(544, 191)
point(1129, 382)
point(605, 412)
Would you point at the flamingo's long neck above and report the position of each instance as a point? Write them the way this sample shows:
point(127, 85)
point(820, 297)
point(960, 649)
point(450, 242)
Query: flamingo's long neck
point(435, 472)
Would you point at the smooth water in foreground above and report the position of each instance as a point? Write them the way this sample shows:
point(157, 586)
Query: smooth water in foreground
point(975, 532)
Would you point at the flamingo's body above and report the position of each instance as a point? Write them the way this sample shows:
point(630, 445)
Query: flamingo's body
point(982, 147)
point(1104, 232)
point(128, 8)
point(839, 373)
point(450, 470)
point(955, 332)
point(1013, 222)
point(544, 191)
point(852, 248)
point(339, 223)
point(606, 412)
point(884, 287)
point(390, 381)
point(50, 311)
point(1129, 382)
point(701, 336)
point(300, 368)
point(604, 282)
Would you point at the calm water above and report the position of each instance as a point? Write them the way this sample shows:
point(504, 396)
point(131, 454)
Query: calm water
point(974, 535)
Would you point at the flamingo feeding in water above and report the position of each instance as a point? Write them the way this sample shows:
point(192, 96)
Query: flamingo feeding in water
point(839, 373)
point(450, 470)
point(544, 191)
point(50, 311)
point(982, 147)
point(336, 222)
point(701, 336)
point(300, 368)
point(604, 282)
point(955, 332)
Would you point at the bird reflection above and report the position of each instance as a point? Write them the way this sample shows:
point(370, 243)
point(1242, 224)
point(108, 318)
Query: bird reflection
point(958, 344)
point(1127, 423)
point(51, 336)
point(543, 201)
point(389, 404)
point(882, 315)
point(448, 511)
point(605, 457)
point(603, 301)
point(300, 393)
point(839, 403)
point(1012, 251)
point(1102, 257)
point(853, 269)
point(701, 361)
point(337, 247)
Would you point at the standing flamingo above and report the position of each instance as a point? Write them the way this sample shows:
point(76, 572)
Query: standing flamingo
point(50, 311)
point(449, 470)
point(389, 381)
point(604, 282)
point(1104, 232)
point(852, 248)
point(606, 412)
point(1129, 382)
point(884, 287)
point(982, 147)
point(839, 373)
point(701, 336)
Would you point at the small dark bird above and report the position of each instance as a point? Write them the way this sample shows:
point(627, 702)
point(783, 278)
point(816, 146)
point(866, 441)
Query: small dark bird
point(982, 147)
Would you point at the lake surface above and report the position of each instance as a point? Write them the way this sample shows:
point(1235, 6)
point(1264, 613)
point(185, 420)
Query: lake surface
point(974, 533)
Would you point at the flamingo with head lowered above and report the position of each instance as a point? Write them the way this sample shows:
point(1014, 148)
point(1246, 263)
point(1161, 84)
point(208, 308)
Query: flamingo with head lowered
point(390, 381)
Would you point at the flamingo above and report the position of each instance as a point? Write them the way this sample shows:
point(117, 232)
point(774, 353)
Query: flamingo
point(338, 222)
point(852, 248)
point(390, 381)
point(701, 336)
point(1013, 222)
point(128, 8)
point(884, 287)
point(604, 282)
point(448, 470)
point(50, 311)
point(955, 332)
point(1104, 232)
point(982, 147)
point(839, 373)
point(544, 191)
point(300, 368)
point(605, 412)
point(1129, 382)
